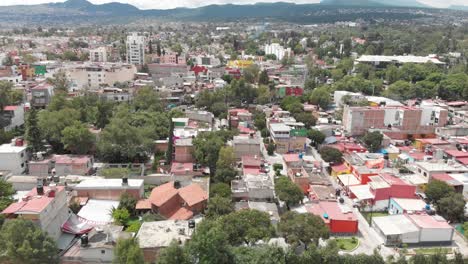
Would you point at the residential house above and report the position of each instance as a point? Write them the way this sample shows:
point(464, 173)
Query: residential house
point(178, 203)
point(41, 95)
point(14, 117)
point(339, 218)
point(402, 229)
point(109, 189)
point(14, 156)
point(253, 188)
point(95, 247)
point(155, 236)
point(246, 145)
point(44, 205)
point(72, 164)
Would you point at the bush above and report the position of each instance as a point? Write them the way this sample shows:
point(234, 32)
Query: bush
point(134, 227)
point(121, 216)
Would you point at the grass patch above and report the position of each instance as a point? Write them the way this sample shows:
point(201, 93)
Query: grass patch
point(347, 243)
point(433, 251)
point(367, 215)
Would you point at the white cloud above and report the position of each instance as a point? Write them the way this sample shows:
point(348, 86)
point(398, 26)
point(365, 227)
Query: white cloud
point(167, 4)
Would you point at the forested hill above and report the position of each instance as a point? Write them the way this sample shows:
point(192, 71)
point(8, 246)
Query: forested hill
point(82, 12)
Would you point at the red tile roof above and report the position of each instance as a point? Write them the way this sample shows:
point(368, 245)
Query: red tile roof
point(291, 158)
point(332, 209)
point(339, 167)
point(162, 194)
point(143, 204)
point(181, 214)
point(457, 153)
point(10, 107)
point(193, 194)
point(251, 161)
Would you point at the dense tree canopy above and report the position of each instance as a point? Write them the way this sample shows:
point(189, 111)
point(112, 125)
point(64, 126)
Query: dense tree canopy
point(21, 241)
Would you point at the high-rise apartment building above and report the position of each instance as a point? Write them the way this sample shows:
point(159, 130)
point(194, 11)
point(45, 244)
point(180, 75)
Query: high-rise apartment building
point(136, 49)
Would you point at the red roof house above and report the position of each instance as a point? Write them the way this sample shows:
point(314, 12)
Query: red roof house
point(178, 203)
point(338, 218)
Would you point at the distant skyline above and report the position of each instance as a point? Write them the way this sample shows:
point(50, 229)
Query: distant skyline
point(168, 4)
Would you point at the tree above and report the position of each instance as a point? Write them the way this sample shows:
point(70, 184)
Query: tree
point(103, 113)
point(122, 142)
point(303, 228)
point(251, 73)
point(373, 141)
point(5, 90)
point(316, 137)
point(147, 99)
point(173, 254)
point(78, 139)
point(227, 158)
point(6, 194)
point(400, 90)
point(264, 95)
point(128, 202)
point(219, 206)
point(60, 82)
point(21, 241)
point(121, 216)
point(309, 84)
point(224, 175)
point(452, 207)
point(128, 251)
point(247, 226)
point(220, 189)
point(264, 254)
point(209, 244)
point(170, 144)
point(307, 118)
point(321, 97)
point(288, 192)
point(436, 190)
point(33, 134)
point(263, 78)
point(8, 61)
point(207, 147)
point(392, 74)
point(271, 149)
point(331, 155)
point(52, 123)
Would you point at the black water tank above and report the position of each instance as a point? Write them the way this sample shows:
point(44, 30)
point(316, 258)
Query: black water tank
point(84, 240)
point(191, 224)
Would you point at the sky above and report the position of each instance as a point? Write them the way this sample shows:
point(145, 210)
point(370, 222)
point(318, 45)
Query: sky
point(167, 4)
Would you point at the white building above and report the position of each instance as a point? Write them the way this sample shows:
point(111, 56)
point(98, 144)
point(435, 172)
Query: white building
point(413, 229)
point(278, 50)
point(94, 76)
point(46, 206)
point(98, 55)
point(136, 49)
point(13, 157)
point(15, 115)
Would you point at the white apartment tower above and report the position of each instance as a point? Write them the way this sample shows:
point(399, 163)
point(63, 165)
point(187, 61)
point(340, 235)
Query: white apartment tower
point(278, 50)
point(98, 55)
point(136, 49)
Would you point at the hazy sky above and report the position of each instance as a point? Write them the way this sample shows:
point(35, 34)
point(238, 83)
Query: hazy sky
point(166, 4)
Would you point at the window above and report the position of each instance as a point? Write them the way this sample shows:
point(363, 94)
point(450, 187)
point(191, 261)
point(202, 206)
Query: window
point(22, 165)
point(103, 251)
point(425, 174)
